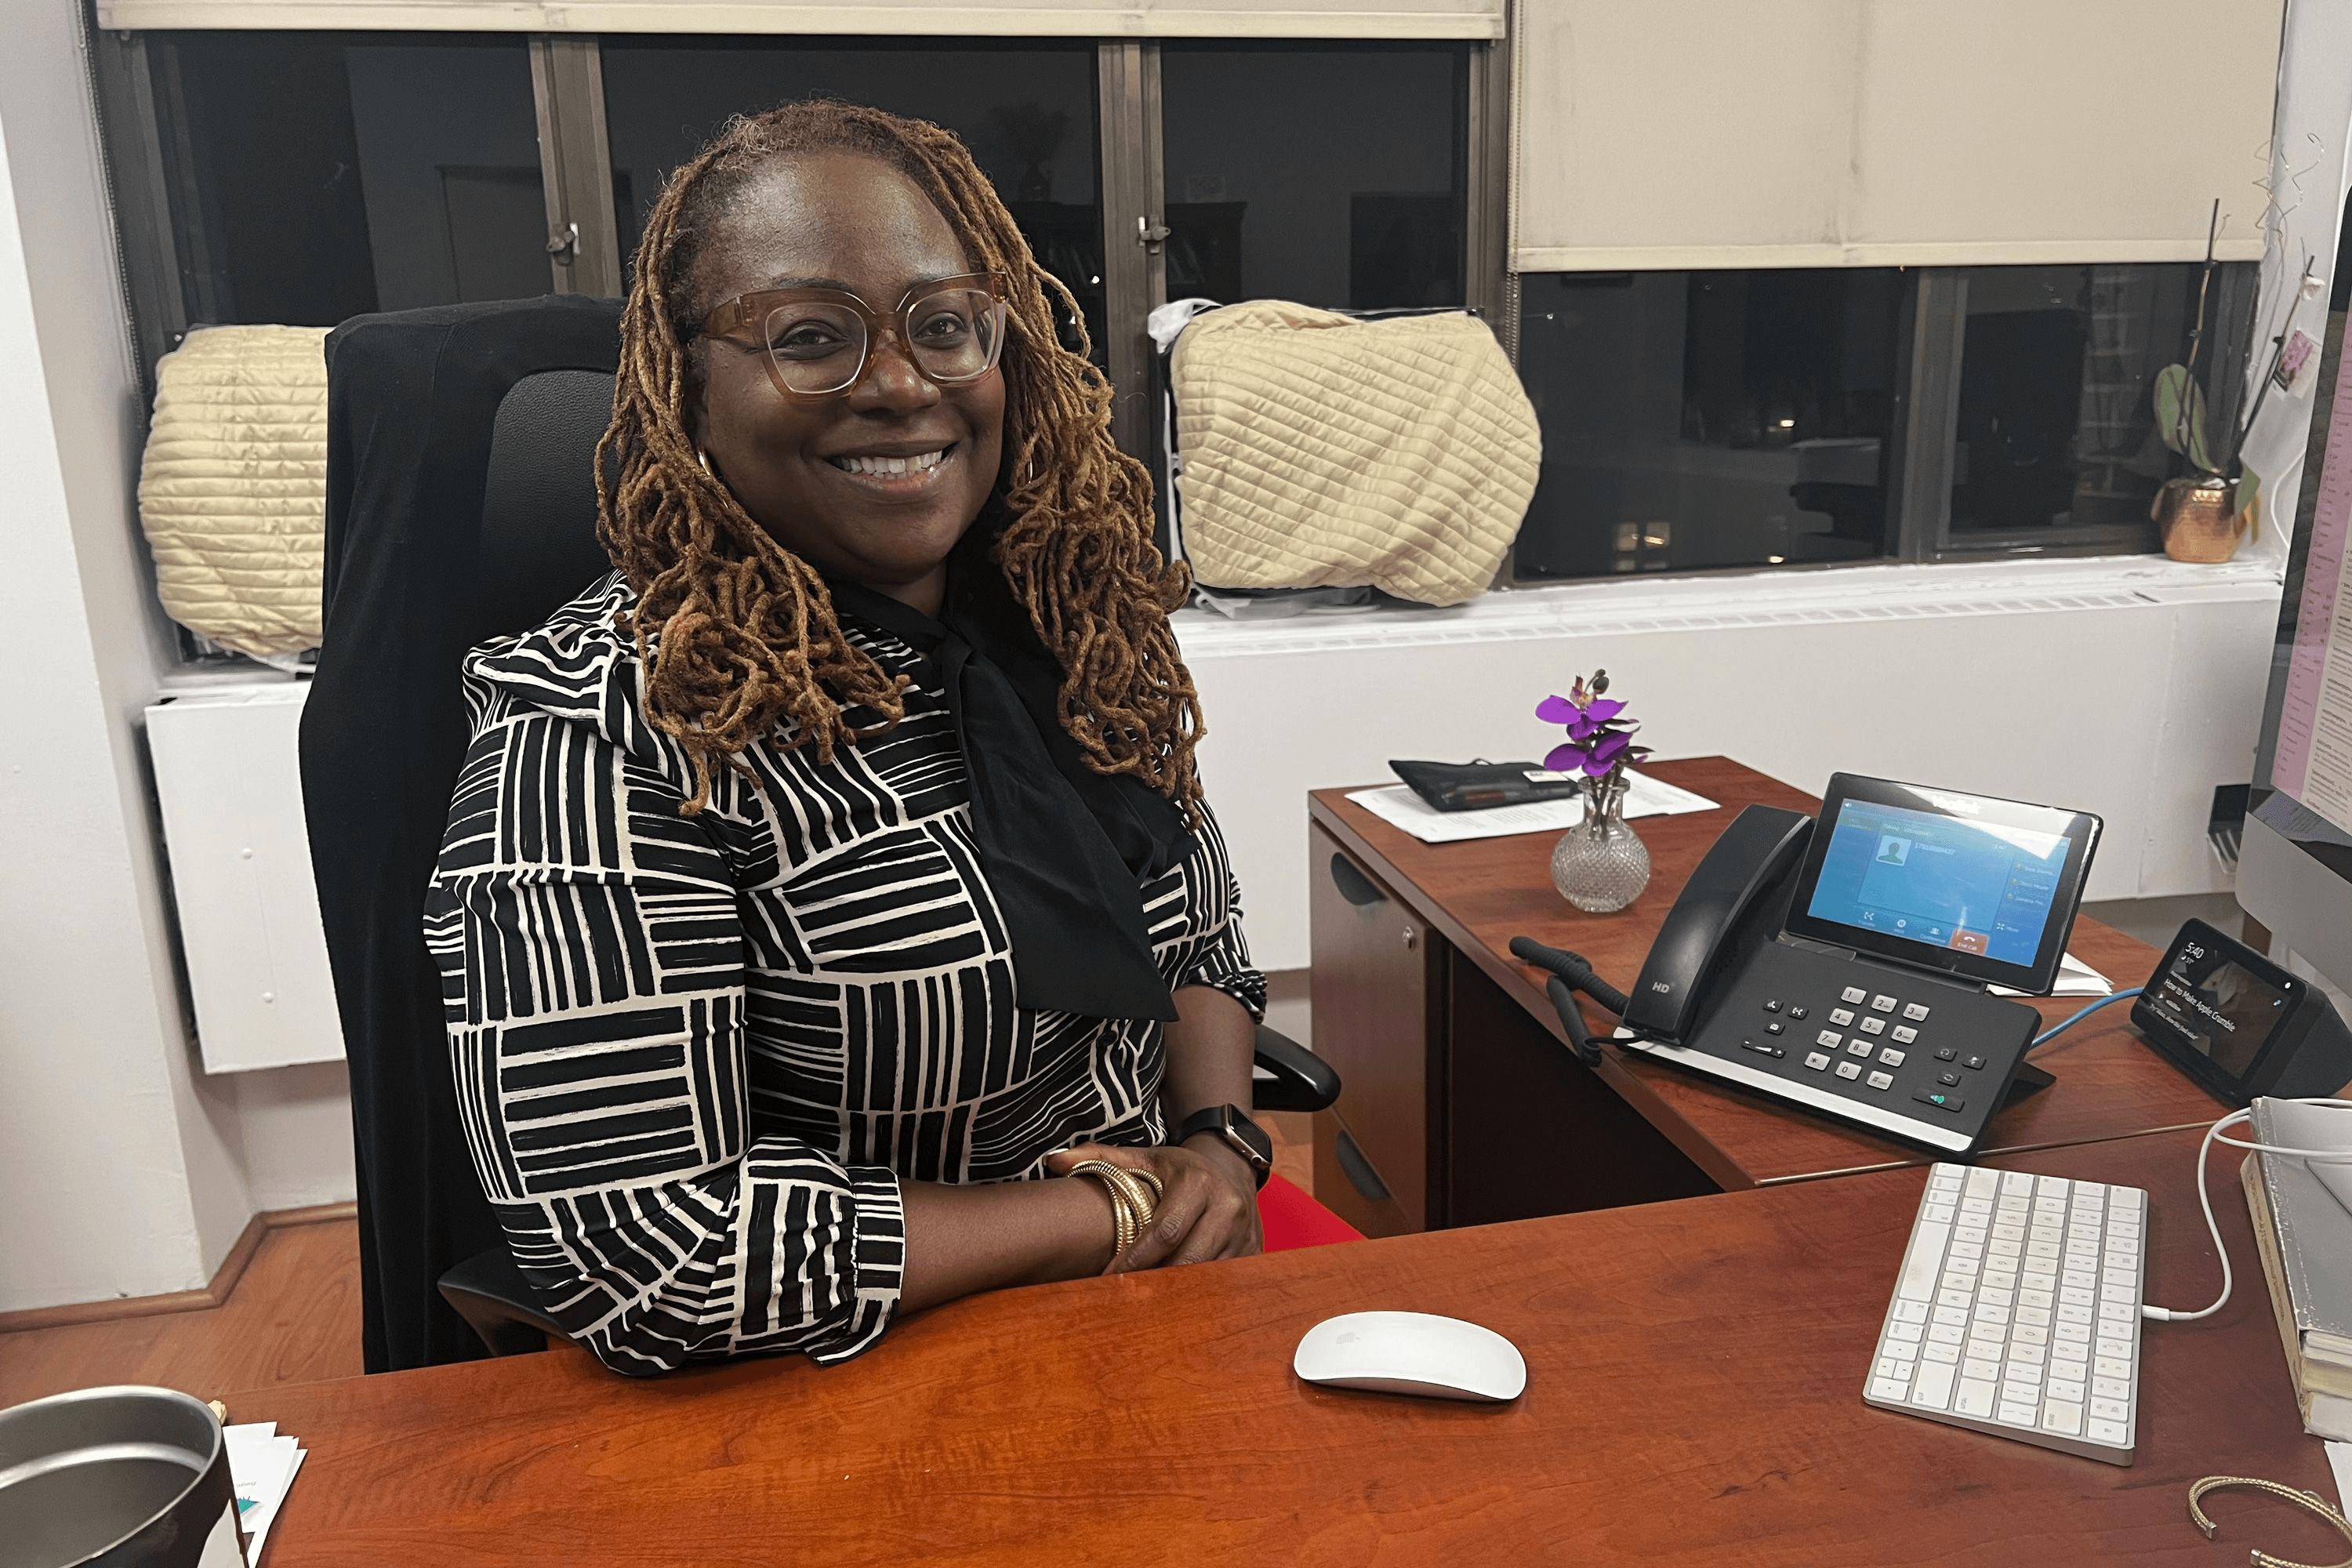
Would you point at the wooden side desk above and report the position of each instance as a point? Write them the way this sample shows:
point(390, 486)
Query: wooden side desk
point(1462, 1105)
point(1693, 1397)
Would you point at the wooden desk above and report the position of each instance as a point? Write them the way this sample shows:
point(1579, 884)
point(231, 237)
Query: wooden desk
point(1693, 1397)
point(1459, 1091)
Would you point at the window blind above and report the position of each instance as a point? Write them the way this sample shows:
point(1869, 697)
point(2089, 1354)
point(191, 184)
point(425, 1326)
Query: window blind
point(1015, 18)
point(1722, 133)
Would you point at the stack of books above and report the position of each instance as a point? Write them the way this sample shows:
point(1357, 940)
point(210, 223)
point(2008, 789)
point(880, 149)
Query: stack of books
point(2302, 1227)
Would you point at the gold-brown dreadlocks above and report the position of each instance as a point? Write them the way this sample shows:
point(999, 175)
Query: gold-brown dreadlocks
point(739, 633)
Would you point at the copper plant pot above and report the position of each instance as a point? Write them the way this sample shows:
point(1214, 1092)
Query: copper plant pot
point(2197, 519)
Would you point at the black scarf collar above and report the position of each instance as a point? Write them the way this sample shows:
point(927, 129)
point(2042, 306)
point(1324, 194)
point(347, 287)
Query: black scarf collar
point(1065, 849)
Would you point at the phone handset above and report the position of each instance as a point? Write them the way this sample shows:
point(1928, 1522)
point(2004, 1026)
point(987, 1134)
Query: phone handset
point(1727, 890)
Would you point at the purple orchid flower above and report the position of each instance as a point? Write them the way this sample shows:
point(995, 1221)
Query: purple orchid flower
point(1600, 738)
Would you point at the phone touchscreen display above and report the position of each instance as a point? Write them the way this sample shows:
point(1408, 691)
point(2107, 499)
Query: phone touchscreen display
point(1977, 888)
point(2224, 1010)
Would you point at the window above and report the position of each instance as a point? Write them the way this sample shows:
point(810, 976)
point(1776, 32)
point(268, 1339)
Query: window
point(2055, 425)
point(1694, 420)
point(1026, 111)
point(317, 176)
point(1743, 419)
point(1334, 175)
point(1708, 419)
point(382, 172)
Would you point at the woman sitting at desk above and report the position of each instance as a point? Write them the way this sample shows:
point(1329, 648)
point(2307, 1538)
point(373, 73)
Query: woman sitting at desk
point(840, 860)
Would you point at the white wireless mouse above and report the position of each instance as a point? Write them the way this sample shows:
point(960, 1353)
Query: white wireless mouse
point(1411, 1352)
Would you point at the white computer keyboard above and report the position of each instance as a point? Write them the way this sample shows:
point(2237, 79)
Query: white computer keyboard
point(2017, 1311)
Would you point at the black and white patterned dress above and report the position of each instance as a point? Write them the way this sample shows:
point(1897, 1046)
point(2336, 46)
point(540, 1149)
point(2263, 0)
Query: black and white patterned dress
point(696, 1056)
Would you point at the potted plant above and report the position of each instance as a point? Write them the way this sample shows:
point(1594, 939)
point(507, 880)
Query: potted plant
point(2202, 514)
point(1601, 865)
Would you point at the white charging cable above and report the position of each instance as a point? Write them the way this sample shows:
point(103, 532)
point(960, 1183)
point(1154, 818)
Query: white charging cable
point(2213, 1135)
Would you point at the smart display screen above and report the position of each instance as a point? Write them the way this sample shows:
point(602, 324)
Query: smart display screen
point(2221, 1008)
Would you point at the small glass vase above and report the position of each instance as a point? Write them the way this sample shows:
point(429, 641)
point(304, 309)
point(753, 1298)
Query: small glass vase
point(1601, 865)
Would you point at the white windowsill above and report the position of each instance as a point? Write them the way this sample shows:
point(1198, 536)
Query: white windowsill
point(1890, 591)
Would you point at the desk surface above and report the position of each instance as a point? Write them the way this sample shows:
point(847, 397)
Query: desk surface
point(1693, 1397)
point(1482, 893)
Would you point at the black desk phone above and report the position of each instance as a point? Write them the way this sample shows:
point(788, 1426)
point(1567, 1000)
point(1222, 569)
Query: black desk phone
point(1842, 967)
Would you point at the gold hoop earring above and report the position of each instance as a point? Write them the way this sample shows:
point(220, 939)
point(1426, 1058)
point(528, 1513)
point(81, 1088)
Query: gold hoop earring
point(704, 458)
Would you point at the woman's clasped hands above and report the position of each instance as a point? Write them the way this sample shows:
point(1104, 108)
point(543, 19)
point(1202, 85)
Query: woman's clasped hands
point(1207, 1208)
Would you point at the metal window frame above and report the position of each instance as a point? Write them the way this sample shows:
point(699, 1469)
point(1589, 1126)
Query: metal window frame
point(575, 165)
point(1135, 206)
point(1488, 284)
point(1927, 422)
point(145, 238)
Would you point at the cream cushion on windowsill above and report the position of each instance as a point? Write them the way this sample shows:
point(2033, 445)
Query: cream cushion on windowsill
point(232, 489)
point(1320, 451)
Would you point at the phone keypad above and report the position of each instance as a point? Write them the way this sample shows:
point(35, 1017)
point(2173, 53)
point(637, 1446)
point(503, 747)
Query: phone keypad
point(1857, 1046)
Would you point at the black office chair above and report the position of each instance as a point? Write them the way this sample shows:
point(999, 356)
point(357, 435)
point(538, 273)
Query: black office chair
point(461, 506)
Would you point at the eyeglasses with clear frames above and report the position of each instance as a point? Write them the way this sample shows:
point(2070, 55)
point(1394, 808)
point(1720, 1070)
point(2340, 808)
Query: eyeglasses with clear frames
point(817, 343)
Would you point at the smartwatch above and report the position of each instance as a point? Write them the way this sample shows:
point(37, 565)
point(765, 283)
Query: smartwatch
point(1245, 1137)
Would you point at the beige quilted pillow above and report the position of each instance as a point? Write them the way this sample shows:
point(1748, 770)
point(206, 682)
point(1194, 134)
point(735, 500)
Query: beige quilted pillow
point(1323, 451)
point(233, 492)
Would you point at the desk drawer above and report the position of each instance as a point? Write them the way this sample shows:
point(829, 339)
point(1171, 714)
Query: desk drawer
point(1378, 988)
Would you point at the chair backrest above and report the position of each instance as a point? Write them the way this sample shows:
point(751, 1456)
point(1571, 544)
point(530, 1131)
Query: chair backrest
point(539, 500)
point(460, 505)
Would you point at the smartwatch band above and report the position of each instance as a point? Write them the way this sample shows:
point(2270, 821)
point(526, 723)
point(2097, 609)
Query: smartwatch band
point(1227, 1121)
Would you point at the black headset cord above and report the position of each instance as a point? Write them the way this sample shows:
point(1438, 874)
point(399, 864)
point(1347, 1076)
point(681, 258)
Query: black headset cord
point(1570, 973)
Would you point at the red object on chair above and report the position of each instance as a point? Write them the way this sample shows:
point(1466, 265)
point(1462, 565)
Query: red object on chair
point(1291, 1219)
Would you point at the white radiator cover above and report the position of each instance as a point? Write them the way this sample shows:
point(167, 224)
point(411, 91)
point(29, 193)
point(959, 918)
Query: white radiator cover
point(230, 783)
point(2129, 687)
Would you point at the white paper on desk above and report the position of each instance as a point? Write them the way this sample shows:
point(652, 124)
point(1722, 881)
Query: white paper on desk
point(2075, 978)
point(261, 1531)
point(2339, 1457)
point(261, 1466)
point(1399, 808)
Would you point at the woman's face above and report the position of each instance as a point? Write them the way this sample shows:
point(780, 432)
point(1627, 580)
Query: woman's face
point(841, 221)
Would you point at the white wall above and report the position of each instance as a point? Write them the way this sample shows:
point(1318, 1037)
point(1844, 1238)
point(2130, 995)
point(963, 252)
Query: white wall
point(118, 1164)
point(294, 1133)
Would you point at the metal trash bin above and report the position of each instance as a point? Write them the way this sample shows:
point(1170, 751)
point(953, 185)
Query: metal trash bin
point(116, 1478)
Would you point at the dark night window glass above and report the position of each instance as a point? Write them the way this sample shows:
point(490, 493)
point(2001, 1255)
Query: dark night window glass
point(1026, 111)
point(1329, 175)
point(320, 176)
point(2056, 426)
point(1708, 419)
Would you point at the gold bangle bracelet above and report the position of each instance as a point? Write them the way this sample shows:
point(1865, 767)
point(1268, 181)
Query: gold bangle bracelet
point(1122, 1195)
point(1134, 1197)
point(2258, 1557)
point(1140, 1202)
